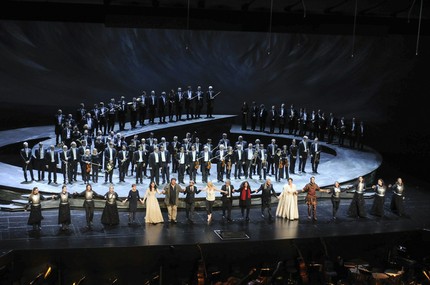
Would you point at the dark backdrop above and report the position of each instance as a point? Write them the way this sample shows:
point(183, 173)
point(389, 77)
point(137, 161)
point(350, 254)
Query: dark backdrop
point(48, 65)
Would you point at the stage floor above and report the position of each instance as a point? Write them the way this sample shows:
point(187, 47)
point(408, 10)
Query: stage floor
point(345, 166)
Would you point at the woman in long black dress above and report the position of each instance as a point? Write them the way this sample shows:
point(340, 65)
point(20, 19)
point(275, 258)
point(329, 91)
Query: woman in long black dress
point(357, 206)
point(110, 215)
point(34, 202)
point(397, 198)
point(64, 217)
point(379, 198)
point(132, 198)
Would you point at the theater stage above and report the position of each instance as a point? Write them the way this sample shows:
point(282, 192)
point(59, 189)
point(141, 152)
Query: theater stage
point(263, 240)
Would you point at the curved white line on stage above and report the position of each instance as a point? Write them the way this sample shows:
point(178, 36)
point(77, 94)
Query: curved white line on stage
point(344, 167)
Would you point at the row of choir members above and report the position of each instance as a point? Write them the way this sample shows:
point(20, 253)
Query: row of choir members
point(103, 117)
point(302, 123)
point(287, 206)
point(185, 159)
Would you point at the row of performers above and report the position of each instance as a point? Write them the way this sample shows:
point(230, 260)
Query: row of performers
point(174, 106)
point(253, 160)
point(286, 208)
point(303, 123)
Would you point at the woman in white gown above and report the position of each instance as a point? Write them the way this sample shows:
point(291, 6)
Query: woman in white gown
point(153, 211)
point(287, 206)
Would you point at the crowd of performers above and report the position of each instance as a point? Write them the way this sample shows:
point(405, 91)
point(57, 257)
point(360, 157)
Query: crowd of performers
point(286, 208)
point(157, 159)
point(299, 122)
point(140, 110)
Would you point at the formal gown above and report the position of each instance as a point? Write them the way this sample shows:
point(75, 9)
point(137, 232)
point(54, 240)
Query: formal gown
point(153, 211)
point(287, 206)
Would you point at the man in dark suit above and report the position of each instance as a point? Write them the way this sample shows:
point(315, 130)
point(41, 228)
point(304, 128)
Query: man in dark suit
point(266, 196)
point(179, 99)
point(162, 105)
point(51, 164)
point(262, 116)
point(152, 106)
point(59, 123)
point(303, 153)
point(190, 192)
point(189, 103)
point(110, 155)
point(39, 155)
point(315, 152)
point(282, 115)
point(134, 109)
point(27, 165)
point(227, 199)
point(254, 115)
point(273, 114)
point(123, 162)
point(154, 162)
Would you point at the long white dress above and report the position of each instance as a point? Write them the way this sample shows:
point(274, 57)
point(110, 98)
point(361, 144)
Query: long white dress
point(287, 206)
point(153, 211)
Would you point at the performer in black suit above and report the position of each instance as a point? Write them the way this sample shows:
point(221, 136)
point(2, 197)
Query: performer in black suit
point(273, 116)
point(182, 159)
point(210, 100)
point(59, 123)
point(254, 115)
point(81, 112)
point(179, 101)
point(162, 106)
point(341, 131)
point(112, 111)
point(39, 155)
point(244, 110)
point(189, 103)
point(123, 162)
point(266, 197)
point(303, 153)
point(154, 161)
point(110, 155)
point(95, 165)
point(190, 192)
point(271, 151)
point(140, 160)
point(133, 106)
point(193, 162)
point(65, 165)
point(122, 113)
point(27, 161)
point(171, 104)
point(239, 161)
point(164, 163)
point(103, 121)
point(152, 106)
point(282, 116)
point(51, 164)
point(262, 116)
point(199, 101)
point(292, 120)
point(74, 161)
point(142, 99)
point(331, 128)
point(227, 191)
point(315, 152)
point(95, 114)
point(205, 160)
